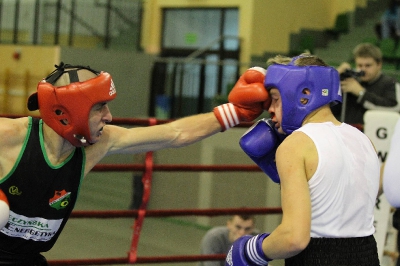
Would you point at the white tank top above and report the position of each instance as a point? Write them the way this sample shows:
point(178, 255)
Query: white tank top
point(345, 185)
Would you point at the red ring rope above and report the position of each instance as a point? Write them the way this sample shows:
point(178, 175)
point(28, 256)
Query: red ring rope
point(177, 167)
point(170, 212)
point(137, 227)
point(161, 259)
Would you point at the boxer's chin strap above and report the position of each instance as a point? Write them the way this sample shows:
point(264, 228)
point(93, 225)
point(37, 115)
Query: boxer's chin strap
point(81, 139)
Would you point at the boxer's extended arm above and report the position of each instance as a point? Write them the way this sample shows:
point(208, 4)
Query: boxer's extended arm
point(179, 133)
point(247, 99)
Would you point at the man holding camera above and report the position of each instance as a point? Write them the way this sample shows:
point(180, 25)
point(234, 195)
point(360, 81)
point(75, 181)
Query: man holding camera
point(366, 87)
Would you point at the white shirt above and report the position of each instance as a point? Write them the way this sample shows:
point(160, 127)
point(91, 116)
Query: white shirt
point(345, 185)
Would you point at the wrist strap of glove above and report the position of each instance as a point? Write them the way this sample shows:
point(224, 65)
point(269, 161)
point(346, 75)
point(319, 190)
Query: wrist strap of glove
point(226, 115)
point(254, 252)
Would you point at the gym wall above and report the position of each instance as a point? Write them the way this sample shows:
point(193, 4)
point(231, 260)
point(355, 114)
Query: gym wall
point(264, 26)
point(21, 68)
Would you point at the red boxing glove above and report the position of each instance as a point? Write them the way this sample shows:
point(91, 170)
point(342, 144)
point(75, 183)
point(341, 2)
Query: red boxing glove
point(247, 100)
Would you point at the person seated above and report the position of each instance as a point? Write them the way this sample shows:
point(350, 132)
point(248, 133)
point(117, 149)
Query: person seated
point(219, 239)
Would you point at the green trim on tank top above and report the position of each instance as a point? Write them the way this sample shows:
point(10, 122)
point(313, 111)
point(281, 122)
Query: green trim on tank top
point(45, 153)
point(28, 133)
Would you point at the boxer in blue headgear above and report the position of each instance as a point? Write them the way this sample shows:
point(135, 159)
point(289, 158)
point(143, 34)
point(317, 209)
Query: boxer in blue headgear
point(303, 89)
point(328, 173)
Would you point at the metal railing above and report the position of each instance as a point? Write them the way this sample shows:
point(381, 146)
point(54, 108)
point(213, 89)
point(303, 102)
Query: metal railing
point(188, 85)
point(62, 22)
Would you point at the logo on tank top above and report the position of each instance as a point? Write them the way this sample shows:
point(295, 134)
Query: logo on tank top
point(13, 190)
point(31, 228)
point(60, 200)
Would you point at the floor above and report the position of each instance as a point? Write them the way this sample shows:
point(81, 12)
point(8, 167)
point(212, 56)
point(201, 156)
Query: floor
point(111, 238)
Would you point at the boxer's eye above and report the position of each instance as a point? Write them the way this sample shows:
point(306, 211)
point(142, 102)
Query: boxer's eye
point(305, 91)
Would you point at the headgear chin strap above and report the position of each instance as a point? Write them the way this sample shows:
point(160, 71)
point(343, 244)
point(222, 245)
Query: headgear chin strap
point(66, 108)
point(303, 89)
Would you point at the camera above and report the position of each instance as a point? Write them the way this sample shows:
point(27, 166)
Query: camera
point(350, 73)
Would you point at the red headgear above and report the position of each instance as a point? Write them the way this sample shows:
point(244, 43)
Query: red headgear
point(66, 108)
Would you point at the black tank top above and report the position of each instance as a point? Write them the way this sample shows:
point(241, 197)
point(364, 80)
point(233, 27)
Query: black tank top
point(41, 196)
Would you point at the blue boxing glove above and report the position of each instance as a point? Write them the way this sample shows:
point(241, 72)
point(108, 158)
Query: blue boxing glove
point(260, 143)
point(247, 251)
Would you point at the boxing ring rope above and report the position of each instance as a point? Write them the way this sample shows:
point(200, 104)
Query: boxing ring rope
point(177, 167)
point(176, 212)
point(148, 167)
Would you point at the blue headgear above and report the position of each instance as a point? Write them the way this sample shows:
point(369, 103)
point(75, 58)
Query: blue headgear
point(291, 81)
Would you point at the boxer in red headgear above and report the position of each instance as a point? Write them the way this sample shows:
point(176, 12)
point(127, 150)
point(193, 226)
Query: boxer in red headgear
point(66, 108)
point(43, 161)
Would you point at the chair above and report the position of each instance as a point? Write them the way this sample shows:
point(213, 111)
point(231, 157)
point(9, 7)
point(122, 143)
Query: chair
point(306, 44)
point(397, 57)
point(372, 40)
point(388, 47)
point(341, 25)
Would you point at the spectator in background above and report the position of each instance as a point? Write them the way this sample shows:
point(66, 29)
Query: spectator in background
point(390, 21)
point(372, 91)
point(219, 239)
